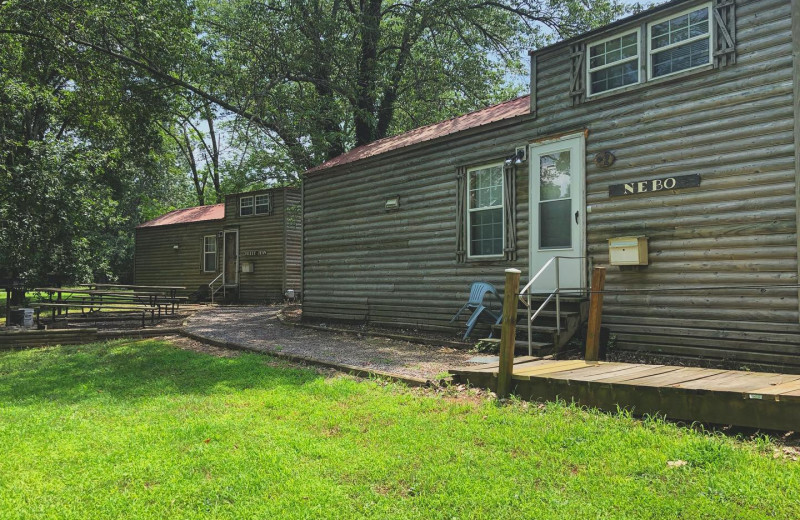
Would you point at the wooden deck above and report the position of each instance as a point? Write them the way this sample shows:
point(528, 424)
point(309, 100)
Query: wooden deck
point(751, 399)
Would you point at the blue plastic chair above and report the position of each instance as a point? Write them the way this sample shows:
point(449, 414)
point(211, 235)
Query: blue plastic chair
point(477, 294)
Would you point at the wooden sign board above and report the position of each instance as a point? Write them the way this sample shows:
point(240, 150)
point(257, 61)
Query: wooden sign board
point(652, 185)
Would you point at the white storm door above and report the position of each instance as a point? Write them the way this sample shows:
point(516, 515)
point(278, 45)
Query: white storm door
point(557, 220)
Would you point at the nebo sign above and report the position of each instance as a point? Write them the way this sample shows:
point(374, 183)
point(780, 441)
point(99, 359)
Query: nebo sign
point(653, 185)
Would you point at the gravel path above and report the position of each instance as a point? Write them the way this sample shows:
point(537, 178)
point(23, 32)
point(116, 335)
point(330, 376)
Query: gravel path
point(259, 328)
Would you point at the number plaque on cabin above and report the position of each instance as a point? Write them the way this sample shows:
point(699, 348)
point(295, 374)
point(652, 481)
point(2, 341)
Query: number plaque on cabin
point(652, 185)
point(254, 252)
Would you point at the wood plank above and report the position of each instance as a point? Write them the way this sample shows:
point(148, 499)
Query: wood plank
point(790, 393)
point(652, 370)
point(492, 367)
point(778, 389)
point(620, 370)
point(675, 377)
point(550, 365)
point(555, 366)
point(734, 381)
point(592, 373)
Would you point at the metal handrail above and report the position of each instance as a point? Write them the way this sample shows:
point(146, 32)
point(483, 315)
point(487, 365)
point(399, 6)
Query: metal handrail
point(555, 293)
point(211, 285)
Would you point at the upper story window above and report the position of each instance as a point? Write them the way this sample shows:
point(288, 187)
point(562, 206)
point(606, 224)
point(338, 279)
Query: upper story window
point(262, 204)
point(680, 42)
point(246, 206)
point(485, 211)
point(613, 63)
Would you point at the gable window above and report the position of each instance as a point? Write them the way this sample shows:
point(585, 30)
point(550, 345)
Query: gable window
point(613, 63)
point(246, 206)
point(680, 42)
point(210, 253)
point(485, 211)
point(262, 204)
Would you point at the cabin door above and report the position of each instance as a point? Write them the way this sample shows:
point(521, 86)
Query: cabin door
point(557, 219)
point(231, 252)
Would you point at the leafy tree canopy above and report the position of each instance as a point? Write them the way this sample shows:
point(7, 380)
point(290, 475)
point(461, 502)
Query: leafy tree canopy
point(106, 106)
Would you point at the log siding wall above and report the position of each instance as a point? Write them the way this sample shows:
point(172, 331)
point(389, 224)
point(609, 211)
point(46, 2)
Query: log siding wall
point(734, 126)
point(293, 238)
point(157, 263)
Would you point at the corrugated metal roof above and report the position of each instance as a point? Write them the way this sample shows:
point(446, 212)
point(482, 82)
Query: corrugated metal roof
point(505, 110)
point(188, 215)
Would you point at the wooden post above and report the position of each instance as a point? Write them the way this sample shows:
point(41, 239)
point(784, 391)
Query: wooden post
point(508, 333)
point(595, 314)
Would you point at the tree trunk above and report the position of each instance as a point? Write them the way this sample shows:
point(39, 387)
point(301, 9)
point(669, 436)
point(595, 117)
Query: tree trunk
point(365, 100)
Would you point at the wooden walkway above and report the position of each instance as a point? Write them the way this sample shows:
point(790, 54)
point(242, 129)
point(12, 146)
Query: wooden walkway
point(751, 399)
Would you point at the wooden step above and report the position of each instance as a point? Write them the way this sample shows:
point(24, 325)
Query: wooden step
point(538, 300)
point(549, 314)
point(539, 329)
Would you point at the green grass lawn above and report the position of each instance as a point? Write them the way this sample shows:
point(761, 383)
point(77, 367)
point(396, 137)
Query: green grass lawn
point(146, 430)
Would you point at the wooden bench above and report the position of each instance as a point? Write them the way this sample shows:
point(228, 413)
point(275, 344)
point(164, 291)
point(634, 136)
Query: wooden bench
point(144, 309)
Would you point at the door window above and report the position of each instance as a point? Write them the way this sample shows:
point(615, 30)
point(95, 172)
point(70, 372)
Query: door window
point(555, 200)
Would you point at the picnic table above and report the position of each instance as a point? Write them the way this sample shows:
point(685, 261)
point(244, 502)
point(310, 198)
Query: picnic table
point(172, 289)
point(112, 307)
point(92, 298)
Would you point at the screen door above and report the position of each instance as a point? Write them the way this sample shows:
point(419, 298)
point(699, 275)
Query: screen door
point(557, 219)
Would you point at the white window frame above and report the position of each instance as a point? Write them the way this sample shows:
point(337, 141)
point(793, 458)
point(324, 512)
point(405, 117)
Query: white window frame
point(242, 205)
point(709, 37)
point(268, 204)
point(637, 57)
point(471, 210)
point(206, 253)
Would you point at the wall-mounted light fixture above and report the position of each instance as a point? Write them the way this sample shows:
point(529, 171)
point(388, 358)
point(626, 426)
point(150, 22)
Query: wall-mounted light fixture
point(521, 154)
point(392, 204)
point(176, 247)
point(519, 157)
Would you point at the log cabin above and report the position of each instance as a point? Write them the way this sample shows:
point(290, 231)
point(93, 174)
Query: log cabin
point(247, 248)
point(664, 146)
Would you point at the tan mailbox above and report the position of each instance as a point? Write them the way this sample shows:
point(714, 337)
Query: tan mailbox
point(627, 250)
point(247, 267)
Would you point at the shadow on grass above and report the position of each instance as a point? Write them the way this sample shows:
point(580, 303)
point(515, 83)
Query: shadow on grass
point(133, 370)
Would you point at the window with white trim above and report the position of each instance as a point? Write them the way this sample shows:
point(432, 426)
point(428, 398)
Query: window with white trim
point(210, 253)
point(262, 204)
point(246, 206)
point(680, 42)
point(485, 221)
point(613, 63)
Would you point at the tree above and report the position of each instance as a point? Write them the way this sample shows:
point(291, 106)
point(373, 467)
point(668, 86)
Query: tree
point(101, 101)
point(80, 160)
point(335, 74)
point(194, 134)
point(318, 76)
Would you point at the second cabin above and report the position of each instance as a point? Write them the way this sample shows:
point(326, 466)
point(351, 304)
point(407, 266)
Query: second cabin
point(246, 249)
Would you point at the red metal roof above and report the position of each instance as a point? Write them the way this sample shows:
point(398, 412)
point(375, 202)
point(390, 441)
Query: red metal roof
point(188, 215)
point(505, 110)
